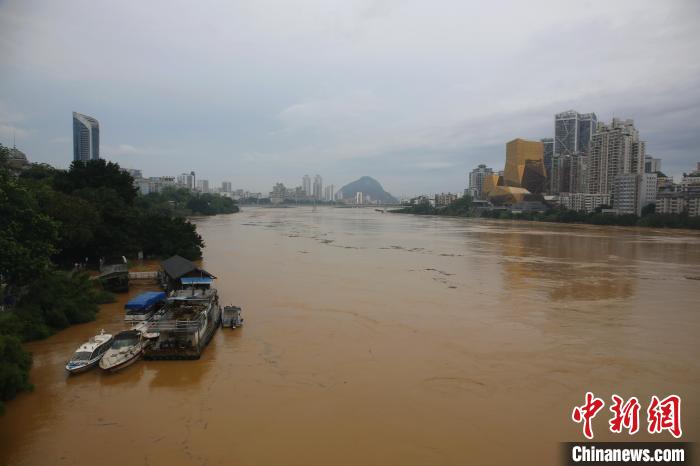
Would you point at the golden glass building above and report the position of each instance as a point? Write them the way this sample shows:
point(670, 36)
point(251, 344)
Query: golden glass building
point(524, 173)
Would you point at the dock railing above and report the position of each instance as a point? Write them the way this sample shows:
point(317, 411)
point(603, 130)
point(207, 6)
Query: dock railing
point(179, 326)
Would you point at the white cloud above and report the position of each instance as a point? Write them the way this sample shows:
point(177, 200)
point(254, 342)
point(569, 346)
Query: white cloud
point(129, 150)
point(276, 88)
point(9, 127)
point(432, 165)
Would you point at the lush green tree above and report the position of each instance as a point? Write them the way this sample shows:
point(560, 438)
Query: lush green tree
point(96, 174)
point(27, 236)
point(461, 207)
point(14, 368)
point(78, 221)
point(181, 201)
point(164, 236)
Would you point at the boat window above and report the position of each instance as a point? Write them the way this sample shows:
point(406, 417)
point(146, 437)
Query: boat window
point(82, 356)
point(124, 342)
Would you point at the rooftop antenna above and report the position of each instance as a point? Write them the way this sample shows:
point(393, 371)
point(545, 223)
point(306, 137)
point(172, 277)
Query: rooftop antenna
point(14, 134)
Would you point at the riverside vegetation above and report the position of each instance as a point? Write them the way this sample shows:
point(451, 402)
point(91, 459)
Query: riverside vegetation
point(462, 207)
point(51, 219)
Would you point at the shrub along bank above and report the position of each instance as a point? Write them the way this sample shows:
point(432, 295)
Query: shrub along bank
point(51, 219)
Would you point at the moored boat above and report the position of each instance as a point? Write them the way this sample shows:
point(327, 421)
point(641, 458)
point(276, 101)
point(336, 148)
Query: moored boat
point(231, 317)
point(143, 306)
point(89, 353)
point(127, 348)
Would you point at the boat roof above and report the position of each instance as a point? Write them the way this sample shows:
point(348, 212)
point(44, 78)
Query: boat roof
point(128, 334)
point(196, 280)
point(146, 299)
point(177, 266)
point(94, 342)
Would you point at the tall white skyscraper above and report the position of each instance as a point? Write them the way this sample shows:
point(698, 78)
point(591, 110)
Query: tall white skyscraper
point(318, 187)
point(573, 132)
point(548, 144)
point(86, 138)
point(203, 186)
point(615, 150)
point(476, 180)
point(306, 185)
point(186, 180)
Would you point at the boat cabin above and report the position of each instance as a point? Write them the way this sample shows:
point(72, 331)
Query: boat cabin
point(143, 306)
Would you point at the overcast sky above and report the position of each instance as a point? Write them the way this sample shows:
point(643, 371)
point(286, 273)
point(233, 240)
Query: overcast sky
point(414, 94)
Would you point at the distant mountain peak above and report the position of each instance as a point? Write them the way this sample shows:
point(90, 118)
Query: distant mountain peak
point(368, 186)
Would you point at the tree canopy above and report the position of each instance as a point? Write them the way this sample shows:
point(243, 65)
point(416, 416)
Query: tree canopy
point(51, 219)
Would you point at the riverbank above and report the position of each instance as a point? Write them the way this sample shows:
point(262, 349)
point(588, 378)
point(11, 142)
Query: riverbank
point(58, 224)
point(462, 208)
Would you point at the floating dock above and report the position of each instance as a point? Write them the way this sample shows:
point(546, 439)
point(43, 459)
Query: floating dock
point(185, 325)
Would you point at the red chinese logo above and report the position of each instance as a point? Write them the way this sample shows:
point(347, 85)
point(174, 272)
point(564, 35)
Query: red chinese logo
point(586, 412)
point(661, 415)
point(665, 415)
point(624, 415)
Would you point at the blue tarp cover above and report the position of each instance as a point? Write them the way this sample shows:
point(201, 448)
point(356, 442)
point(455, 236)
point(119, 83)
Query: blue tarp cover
point(145, 300)
point(196, 281)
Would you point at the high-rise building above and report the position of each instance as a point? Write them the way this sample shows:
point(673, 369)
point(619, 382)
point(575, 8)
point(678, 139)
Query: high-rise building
point(186, 180)
point(615, 150)
point(633, 191)
point(328, 193)
point(476, 181)
point(651, 165)
point(318, 187)
point(569, 174)
point(583, 202)
point(573, 132)
point(306, 185)
point(203, 186)
point(625, 193)
point(86, 138)
point(525, 165)
point(278, 193)
point(548, 144)
point(648, 188)
point(225, 186)
point(587, 123)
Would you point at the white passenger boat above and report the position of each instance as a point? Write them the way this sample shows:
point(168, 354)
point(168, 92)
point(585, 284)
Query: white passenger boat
point(126, 349)
point(89, 353)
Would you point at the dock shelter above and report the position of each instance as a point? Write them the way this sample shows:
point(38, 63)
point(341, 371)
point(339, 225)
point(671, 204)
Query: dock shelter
point(177, 271)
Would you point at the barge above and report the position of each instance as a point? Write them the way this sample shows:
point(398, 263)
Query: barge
point(186, 323)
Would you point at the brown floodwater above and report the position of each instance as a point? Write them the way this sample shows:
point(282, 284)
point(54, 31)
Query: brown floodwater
point(381, 339)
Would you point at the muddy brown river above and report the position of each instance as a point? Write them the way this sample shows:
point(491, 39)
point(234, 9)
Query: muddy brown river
point(382, 339)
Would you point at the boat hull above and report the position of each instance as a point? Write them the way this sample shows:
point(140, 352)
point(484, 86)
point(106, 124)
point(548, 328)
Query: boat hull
point(83, 368)
point(122, 364)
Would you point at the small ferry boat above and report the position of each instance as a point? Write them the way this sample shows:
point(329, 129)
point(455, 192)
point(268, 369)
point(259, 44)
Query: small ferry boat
point(231, 317)
point(89, 353)
point(127, 348)
point(143, 306)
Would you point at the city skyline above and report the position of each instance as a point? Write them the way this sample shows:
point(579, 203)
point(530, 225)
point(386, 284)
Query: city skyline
point(393, 118)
